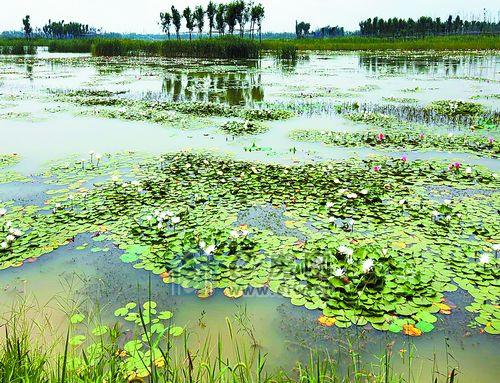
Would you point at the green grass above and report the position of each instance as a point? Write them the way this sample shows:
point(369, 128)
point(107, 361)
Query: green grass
point(439, 43)
point(17, 47)
point(234, 47)
point(227, 48)
point(25, 358)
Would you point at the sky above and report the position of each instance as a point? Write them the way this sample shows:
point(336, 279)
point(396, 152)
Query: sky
point(142, 16)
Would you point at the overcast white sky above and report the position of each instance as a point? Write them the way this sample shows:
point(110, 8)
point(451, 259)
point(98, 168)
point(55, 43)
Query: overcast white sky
point(142, 16)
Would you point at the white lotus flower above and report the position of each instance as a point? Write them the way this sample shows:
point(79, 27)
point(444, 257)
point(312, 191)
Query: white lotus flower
point(98, 156)
point(57, 205)
point(160, 225)
point(350, 261)
point(435, 213)
point(402, 202)
point(149, 218)
point(17, 232)
point(329, 205)
point(345, 250)
point(352, 195)
point(350, 221)
point(367, 265)
point(484, 259)
point(115, 178)
point(339, 272)
point(209, 249)
point(176, 220)
point(364, 192)
point(8, 224)
point(234, 233)
point(331, 219)
point(447, 201)
point(91, 152)
point(3, 245)
point(496, 247)
point(3, 211)
point(468, 170)
point(448, 217)
point(10, 238)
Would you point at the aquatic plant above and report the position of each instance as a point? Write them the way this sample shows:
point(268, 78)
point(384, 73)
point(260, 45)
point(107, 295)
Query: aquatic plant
point(242, 128)
point(229, 47)
point(177, 216)
point(144, 345)
point(403, 140)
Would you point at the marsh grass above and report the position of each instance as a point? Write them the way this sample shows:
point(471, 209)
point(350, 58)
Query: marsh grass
point(356, 43)
point(17, 47)
point(24, 359)
point(230, 47)
point(223, 48)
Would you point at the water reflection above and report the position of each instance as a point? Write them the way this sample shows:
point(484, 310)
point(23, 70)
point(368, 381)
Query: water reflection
point(234, 88)
point(448, 65)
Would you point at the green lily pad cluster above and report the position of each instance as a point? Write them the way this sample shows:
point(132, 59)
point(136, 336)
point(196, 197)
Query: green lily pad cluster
point(148, 108)
point(403, 140)
point(365, 241)
point(153, 333)
point(243, 128)
point(6, 175)
point(456, 108)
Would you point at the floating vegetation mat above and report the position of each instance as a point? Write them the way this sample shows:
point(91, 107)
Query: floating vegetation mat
point(361, 240)
point(403, 140)
point(6, 175)
point(155, 110)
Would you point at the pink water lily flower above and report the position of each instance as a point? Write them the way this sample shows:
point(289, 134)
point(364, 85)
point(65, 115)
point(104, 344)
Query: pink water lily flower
point(491, 140)
point(380, 137)
point(455, 166)
point(377, 168)
point(404, 158)
point(421, 136)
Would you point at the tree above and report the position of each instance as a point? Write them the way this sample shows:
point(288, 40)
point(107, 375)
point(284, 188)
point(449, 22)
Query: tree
point(220, 19)
point(166, 22)
point(27, 27)
point(211, 11)
point(176, 20)
point(231, 16)
point(189, 17)
point(240, 10)
point(258, 13)
point(199, 17)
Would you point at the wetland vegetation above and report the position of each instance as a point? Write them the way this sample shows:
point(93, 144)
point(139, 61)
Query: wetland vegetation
point(225, 209)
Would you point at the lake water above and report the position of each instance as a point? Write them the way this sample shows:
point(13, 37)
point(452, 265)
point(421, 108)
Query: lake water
point(40, 129)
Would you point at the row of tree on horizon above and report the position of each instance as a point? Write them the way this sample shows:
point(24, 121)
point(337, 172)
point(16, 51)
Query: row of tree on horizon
point(220, 17)
point(425, 26)
point(224, 18)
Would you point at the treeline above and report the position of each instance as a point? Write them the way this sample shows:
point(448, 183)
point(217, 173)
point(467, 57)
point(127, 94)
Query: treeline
point(424, 26)
point(60, 29)
point(232, 17)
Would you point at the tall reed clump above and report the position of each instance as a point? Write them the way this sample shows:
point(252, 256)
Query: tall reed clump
point(352, 43)
point(110, 354)
point(17, 47)
point(223, 48)
point(70, 45)
point(286, 52)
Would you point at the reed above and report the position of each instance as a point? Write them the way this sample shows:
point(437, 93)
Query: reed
point(17, 47)
point(357, 43)
point(223, 48)
point(24, 359)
